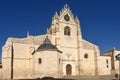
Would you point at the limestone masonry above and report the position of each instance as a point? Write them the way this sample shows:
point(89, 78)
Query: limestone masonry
point(60, 52)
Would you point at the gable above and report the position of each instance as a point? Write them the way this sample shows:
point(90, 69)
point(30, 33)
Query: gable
point(66, 15)
point(87, 45)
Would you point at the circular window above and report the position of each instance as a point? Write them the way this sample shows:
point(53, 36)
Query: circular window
point(66, 17)
point(86, 56)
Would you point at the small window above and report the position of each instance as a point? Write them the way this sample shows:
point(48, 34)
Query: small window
point(86, 56)
point(59, 61)
point(106, 61)
point(107, 66)
point(67, 31)
point(39, 60)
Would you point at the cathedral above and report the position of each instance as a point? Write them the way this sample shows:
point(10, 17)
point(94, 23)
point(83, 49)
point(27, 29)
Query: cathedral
point(60, 52)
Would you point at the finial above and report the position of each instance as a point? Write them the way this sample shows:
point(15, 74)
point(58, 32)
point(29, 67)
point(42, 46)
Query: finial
point(76, 18)
point(46, 37)
point(56, 15)
point(66, 6)
point(114, 48)
point(28, 34)
point(47, 31)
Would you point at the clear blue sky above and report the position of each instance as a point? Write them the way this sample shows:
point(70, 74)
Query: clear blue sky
point(100, 19)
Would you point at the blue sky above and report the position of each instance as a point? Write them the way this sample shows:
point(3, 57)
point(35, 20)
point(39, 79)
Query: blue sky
point(100, 19)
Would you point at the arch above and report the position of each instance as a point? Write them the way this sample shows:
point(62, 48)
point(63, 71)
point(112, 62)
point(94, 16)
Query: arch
point(68, 70)
point(67, 31)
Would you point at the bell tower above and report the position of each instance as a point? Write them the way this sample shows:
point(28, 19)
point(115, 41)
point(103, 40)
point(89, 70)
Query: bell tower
point(65, 28)
point(66, 35)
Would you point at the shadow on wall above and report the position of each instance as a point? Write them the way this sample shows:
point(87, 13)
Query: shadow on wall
point(48, 78)
point(0, 64)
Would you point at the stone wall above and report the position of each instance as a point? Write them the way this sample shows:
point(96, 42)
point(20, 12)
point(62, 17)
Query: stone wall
point(116, 62)
point(1, 73)
point(49, 65)
point(87, 62)
point(104, 65)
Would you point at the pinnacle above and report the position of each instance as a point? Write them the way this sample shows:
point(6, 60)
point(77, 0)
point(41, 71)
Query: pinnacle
point(55, 15)
point(76, 18)
point(66, 6)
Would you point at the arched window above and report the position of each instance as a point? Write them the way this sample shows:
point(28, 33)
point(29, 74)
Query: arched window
point(67, 31)
point(85, 55)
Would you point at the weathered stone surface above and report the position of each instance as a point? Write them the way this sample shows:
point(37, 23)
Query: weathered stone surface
point(79, 57)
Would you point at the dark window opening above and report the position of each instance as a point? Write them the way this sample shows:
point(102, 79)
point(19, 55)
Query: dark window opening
point(39, 60)
point(86, 56)
point(107, 66)
point(106, 61)
point(59, 61)
point(0, 66)
point(67, 31)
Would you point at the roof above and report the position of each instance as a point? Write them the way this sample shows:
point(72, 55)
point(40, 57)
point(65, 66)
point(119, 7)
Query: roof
point(46, 45)
point(109, 52)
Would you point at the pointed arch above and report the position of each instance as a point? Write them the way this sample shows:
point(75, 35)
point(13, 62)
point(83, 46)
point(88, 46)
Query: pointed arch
point(68, 70)
point(67, 31)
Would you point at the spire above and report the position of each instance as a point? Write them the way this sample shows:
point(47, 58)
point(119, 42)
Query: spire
point(47, 40)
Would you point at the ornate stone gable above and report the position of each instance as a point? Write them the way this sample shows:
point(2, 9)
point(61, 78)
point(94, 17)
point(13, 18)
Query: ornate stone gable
point(64, 17)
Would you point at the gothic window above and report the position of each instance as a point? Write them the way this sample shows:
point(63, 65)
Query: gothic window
point(67, 31)
point(39, 60)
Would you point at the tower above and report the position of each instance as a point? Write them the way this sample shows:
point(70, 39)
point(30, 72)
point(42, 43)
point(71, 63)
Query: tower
point(65, 25)
point(66, 34)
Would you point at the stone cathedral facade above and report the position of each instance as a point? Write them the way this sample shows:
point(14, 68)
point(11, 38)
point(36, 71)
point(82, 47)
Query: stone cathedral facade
point(60, 52)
